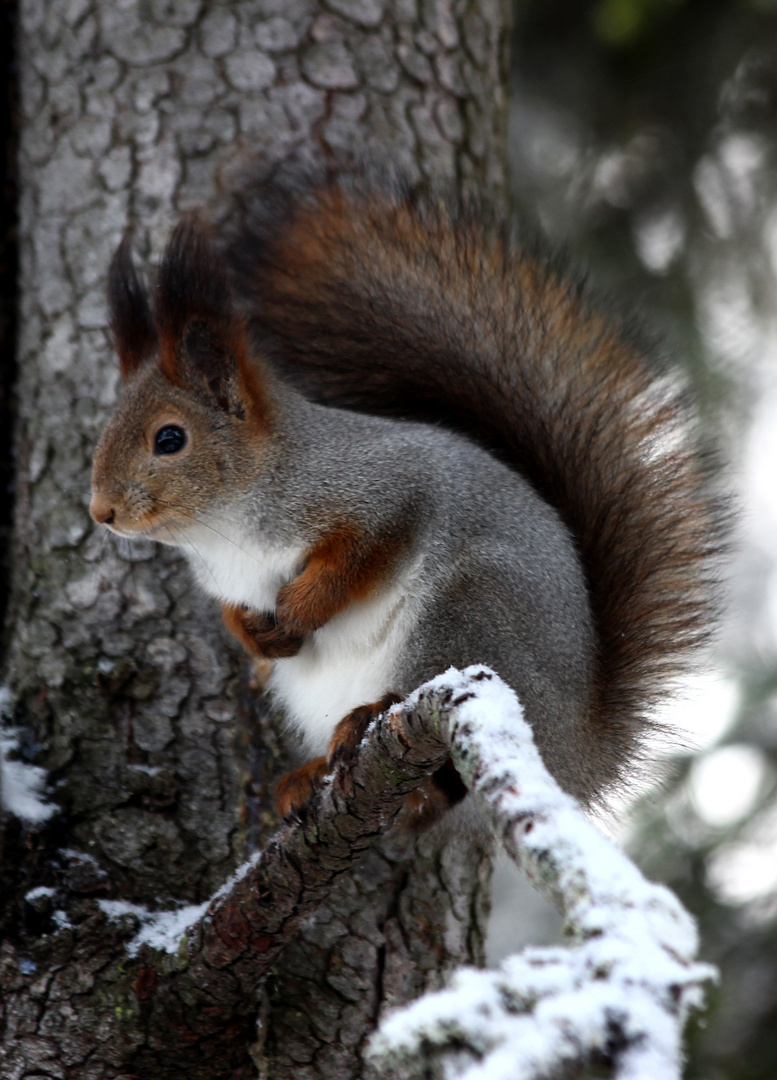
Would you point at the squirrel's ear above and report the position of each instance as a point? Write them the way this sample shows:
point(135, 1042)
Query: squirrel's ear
point(202, 336)
point(132, 325)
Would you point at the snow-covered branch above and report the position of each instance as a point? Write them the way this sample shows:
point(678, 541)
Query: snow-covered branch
point(622, 991)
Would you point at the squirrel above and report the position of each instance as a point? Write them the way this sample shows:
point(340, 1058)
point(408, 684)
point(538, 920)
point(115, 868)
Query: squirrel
point(391, 439)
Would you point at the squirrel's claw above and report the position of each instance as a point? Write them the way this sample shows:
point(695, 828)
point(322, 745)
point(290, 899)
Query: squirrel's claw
point(260, 635)
point(294, 791)
point(353, 727)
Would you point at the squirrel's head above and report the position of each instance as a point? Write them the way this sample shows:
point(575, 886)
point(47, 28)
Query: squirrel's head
point(195, 412)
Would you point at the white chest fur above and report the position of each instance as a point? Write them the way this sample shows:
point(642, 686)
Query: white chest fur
point(237, 568)
point(348, 662)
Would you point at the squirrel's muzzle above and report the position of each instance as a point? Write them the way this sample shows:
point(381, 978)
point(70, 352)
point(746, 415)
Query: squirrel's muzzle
point(101, 509)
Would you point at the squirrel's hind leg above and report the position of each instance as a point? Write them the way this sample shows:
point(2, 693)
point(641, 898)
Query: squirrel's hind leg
point(294, 791)
point(353, 727)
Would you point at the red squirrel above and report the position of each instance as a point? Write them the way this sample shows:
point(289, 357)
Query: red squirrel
point(390, 440)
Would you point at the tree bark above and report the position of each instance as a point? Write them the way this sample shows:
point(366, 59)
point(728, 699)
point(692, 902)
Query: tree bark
point(124, 687)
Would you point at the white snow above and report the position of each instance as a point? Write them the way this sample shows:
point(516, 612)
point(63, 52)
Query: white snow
point(626, 982)
point(162, 930)
point(165, 930)
point(21, 785)
point(37, 893)
point(631, 969)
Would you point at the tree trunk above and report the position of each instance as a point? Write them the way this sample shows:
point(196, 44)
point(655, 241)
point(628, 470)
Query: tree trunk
point(124, 687)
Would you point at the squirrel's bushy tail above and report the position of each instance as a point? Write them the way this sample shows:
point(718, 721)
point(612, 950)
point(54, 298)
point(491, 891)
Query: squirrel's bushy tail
point(384, 302)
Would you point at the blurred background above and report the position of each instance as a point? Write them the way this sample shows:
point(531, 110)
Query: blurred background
point(644, 139)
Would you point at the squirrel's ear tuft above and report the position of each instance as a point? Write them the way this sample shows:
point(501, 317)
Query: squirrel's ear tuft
point(132, 326)
point(192, 284)
point(203, 338)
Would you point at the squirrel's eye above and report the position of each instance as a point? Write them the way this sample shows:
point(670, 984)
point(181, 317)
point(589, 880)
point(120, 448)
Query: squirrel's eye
point(169, 439)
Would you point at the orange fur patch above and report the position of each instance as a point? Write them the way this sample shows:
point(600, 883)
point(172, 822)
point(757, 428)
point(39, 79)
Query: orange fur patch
point(352, 728)
point(260, 635)
point(294, 791)
point(342, 568)
point(345, 566)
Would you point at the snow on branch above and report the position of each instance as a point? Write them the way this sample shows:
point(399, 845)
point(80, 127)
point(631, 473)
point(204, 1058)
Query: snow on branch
point(620, 994)
point(22, 786)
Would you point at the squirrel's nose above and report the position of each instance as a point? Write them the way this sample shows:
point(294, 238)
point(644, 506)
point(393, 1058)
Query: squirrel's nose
point(101, 510)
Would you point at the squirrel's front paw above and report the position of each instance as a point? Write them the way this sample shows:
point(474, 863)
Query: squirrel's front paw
point(352, 728)
point(260, 635)
point(294, 791)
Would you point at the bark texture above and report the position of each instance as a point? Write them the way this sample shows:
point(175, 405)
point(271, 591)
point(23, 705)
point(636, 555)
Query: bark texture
point(124, 686)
